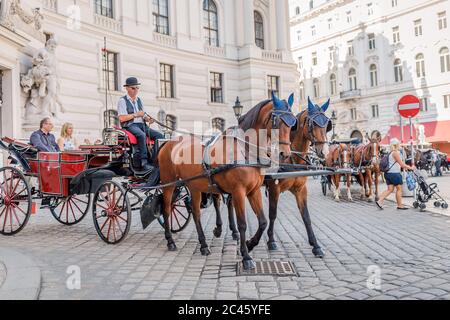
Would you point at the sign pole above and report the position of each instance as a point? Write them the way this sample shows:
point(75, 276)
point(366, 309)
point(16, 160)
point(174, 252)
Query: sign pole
point(401, 130)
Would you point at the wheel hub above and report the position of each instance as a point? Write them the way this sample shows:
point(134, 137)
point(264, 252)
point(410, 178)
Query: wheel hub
point(7, 201)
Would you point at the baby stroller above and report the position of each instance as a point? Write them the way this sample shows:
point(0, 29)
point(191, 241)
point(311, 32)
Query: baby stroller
point(427, 192)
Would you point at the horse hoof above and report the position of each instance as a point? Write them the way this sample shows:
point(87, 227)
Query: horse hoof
point(236, 236)
point(370, 200)
point(217, 232)
point(205, 251)
point(272, 246)
point(172, 247)
point(318, 253)
point(249, 264)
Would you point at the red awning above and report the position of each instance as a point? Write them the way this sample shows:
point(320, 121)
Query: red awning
point(435, 131)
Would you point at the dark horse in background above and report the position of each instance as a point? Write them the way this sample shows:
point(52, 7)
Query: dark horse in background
point(240, 182)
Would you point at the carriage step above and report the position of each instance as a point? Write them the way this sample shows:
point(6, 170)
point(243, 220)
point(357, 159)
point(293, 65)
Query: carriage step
point(269, 268)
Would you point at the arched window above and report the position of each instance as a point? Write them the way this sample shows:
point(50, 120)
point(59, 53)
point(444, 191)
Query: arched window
point(333, 84)
point(259, 30)
point(302, 91)
point(210, 23)
point(420, 65)
point(297, 10)
point(316, 88)
point(398, 70)
point(373, 75)
point(352, 79)
point(445, 59)
point(161, 16)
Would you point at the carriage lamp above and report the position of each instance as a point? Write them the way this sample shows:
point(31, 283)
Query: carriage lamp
point(333, 122)
point(238, 108)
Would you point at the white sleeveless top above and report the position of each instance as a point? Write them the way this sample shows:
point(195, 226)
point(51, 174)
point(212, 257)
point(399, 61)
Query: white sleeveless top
point(394, 166)
point(69, 144)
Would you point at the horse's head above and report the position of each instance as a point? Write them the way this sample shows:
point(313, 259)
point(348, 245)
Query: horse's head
point(316, 127)
point(374, 151)
point(282, 119)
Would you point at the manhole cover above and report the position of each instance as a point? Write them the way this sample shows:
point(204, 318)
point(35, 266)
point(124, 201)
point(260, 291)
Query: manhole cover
point(269, 268)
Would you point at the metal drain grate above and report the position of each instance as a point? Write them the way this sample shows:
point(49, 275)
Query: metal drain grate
point(269, 268)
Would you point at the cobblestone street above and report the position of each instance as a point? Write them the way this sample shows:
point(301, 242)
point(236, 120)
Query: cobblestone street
point(412, 250)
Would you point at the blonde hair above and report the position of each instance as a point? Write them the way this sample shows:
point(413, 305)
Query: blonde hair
point(64, 128)
point(395, 147)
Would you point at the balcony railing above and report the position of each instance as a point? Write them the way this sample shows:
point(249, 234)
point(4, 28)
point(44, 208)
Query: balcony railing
point(108, 23)
point(214, 51)
point(49, 4)
point(271, 55)
point(351, 94)
point(164, 40)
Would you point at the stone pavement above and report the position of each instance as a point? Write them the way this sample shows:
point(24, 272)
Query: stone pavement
point(2, 274)
point(410, 251)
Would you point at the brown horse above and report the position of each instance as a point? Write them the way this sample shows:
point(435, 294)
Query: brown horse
point(312, 128)
point(366, 159)
point(340, 158)
point(239, 181)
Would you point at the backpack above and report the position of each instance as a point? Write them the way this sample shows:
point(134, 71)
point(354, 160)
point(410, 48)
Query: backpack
point(384, 163)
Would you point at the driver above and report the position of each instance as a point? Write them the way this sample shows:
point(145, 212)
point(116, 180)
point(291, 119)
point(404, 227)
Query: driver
point(132, 118)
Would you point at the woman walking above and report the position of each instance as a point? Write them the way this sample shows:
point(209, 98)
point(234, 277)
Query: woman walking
point(394, 178)
point(66, 141)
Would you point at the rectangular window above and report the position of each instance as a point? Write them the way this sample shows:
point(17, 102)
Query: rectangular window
point(314, 58)
point(394, 3)
point(273, 86)
point(418, 27)
point(110, 71)
point(375, 111)
point(447, 101)
point(369, 9)
point(354, 113)
point(313, 31)
point(396, 35)
point(166, 81)
point(160, 16)
point(371, 41)
point(104, 8)
point(442, 20)
point(216, 87)
point(330, 24)
point(424, 104)
point(300, 63)
point(331, 53)
point(351, 50)
point(299, 35)
point(349, 16)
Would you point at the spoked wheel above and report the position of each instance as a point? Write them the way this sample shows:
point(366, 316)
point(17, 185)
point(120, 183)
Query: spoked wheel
point(15, 201)
point(71, 210)
point(181, 210)
point(112, 212)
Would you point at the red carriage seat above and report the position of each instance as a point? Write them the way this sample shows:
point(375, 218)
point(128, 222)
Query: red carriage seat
point(132, 138)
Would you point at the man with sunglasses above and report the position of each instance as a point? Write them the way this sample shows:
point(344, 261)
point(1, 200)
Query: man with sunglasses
point(132, 118)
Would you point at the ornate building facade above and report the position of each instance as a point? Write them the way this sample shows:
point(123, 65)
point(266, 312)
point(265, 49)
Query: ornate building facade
point(193, 57)
point(366, 55)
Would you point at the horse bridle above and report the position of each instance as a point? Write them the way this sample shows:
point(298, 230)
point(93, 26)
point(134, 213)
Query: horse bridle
point(310, 120)
point(275, 117)
point(342, 163)
point(373, 157)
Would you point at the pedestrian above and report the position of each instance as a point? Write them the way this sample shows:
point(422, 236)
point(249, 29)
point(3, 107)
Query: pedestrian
point(394, 178)
point(67, 141)
point(438, 164)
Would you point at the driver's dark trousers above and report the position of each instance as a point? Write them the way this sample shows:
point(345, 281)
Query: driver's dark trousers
point(140, 130)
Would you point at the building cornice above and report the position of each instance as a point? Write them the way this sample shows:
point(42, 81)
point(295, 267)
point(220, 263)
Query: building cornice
point(324, 8)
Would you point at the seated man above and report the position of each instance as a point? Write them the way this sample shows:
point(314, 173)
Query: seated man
point(42, 139)
point(132, 118)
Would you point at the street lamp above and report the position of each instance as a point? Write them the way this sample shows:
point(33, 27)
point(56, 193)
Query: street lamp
point(238, 108)
point(333, 122)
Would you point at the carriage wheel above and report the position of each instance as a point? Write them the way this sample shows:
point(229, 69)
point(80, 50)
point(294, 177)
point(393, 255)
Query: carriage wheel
point(15, 201)
point(181, 210)
point(111, 212)
point(71, 210)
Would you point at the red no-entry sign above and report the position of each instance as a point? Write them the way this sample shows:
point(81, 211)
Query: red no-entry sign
point(409, 106)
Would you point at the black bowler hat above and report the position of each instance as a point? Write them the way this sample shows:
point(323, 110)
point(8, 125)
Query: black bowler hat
point(131, 82)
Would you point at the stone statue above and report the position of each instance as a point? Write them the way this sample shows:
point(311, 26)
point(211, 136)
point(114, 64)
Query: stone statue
point(10, 8)
point(42, 83)
point(421, 134)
